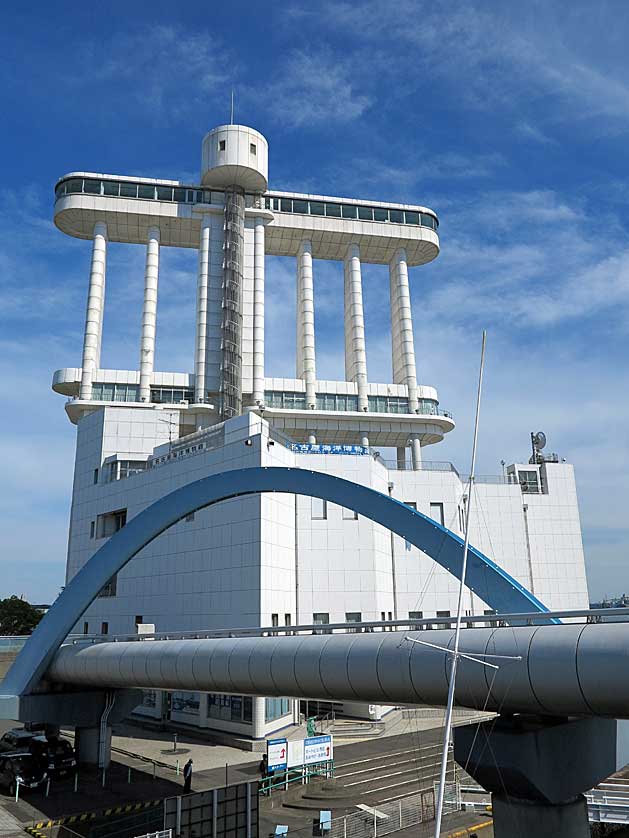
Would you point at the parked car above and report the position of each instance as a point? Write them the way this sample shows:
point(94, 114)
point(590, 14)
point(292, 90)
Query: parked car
point(22, 768)
point(55, 754)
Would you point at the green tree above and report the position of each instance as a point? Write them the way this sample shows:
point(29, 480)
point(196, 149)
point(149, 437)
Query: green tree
point(17, 616)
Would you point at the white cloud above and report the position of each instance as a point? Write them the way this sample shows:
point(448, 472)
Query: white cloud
point(312, 88)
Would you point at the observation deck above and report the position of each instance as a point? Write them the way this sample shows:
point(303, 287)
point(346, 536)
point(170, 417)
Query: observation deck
point(130, 206)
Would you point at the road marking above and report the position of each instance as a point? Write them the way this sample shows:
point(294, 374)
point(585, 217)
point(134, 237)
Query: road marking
point(461, 832)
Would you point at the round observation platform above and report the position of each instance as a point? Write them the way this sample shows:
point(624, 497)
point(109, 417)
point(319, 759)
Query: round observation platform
point(235, 155)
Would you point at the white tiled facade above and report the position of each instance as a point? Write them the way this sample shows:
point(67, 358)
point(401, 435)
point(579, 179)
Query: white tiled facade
point(276, 559)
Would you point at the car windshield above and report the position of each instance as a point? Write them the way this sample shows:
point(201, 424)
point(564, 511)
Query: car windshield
point(59, 749)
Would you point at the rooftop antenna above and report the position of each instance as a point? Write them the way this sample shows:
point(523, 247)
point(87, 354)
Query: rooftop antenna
point(231, 118)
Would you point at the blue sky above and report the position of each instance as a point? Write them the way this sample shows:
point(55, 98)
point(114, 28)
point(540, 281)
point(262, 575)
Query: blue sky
point(510, 120)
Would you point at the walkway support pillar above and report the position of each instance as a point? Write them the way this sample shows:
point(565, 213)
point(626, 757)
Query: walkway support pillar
point(89, 747)
point(258, 312)
point(306, 364)
point(355, 350)
point(149, 314)
point(546, 764)
point(92, 338)
point(403, 345)
point(200, 345)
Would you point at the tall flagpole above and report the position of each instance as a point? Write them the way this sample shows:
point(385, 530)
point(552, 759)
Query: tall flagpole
point(457, 634)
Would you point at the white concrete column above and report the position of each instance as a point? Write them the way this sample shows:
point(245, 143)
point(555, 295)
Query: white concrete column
point(149, 314)
point(305, 324)
point(202, 301)
point(95, 305)
point(404, 370)
point(258, 312)
point(356, 363)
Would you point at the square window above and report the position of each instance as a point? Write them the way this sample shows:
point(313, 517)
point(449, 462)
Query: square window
point(412, 217)
point(252, 148)
point(145, 191)
point(317, 208)
point(348, 211)
point(300, 206)
point(365, 213)
point(111, 188)
point(286, 205)
point(221, 145)
point(164, 193)
point(380, 215)
point(333, 210)
point(396, 216)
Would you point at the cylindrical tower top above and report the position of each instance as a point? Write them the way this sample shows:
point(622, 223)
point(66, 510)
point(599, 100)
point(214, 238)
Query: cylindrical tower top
point(235, 155)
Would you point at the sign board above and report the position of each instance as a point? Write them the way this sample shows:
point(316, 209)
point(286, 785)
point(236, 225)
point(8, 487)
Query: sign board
point(295, 752)
point(316, 448)
point(276, 754)
point(317, 749)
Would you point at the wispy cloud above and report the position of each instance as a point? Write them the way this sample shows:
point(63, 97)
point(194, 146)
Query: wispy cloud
point(314, 87)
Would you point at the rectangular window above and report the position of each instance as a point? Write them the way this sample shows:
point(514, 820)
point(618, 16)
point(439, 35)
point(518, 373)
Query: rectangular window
point(333, 210)
point(179, 195)
point(317, 208)
point(428, 221)
point(164, 193)
point(111, 188)
point(286, 205)
point(139, 619)
point(247, 709)
point(365, 213)
point(95, 476)
point(396, 216)
point(443, 614)
point(349, 211)
point(287, 620)
point(349, 514)
point(275, 708)
point(146, 191)
point(416, 615)
point(128, 190)
point(353, 617)
point(275, 619)
point(73, 186)
point(380, 215)
point(92, 187)
point(412, 217)
point(110, 588)
point(92, 528)
point(319, 509)
point(104, 628)
point(300, 206)
point(110, 523)
point(86, 628)
point(252, 149)
point(221, 145)
point(436, 513)
point(411, 503)
point(320, 618)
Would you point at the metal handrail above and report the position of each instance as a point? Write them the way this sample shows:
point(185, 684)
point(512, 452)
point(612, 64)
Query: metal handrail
point(595, 615)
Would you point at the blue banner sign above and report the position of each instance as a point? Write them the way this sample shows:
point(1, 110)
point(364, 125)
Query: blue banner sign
point(316, 448)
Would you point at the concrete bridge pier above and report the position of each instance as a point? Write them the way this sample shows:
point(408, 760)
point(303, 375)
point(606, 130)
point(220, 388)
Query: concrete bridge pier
point(537, 769)
point(93, 745)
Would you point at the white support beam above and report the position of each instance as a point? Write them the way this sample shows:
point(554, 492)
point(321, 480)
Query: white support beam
point(92, 338)
point(355, 350)
point(306, 362)
point(258, 312)
point(200, 389)
point(149, 315)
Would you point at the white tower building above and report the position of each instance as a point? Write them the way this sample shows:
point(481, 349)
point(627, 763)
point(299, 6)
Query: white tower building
point(276, 560)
